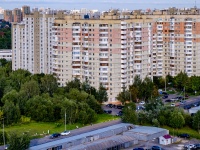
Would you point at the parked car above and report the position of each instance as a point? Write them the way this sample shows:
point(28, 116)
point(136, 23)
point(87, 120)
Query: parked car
point(156, 148)
point(108, 111)
point(165, 93)
point(197, 146)
point(195, 104)
point(180, 97)
point(182, 101)
point(120, 113)
point(184, 135)
point(109, 105)
point(138, 148)
point(174, 99)
point(65, 133)
point(189, 146)
point(165, 96)
point(168, 100)
point(142, 103)
point(120, 106)
point(187, 107)
point(173, 105)
point(54, 135)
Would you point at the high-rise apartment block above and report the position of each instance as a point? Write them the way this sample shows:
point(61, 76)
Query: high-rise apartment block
point(8, 15)
point(110, 48)
point(32, 42)
point(16, 15)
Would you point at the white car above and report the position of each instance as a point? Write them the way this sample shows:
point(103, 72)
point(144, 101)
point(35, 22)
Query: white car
point(142, 103)
point(189, 146)
point(173, 105)
point(65, 133)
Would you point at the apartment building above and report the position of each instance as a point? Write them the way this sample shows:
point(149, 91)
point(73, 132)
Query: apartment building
point(17, 15)
point(110, 50)
point(32, 42)
point(176, 42)
point(7, 15)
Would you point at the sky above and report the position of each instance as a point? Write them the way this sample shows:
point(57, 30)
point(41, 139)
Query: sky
point(99, 4)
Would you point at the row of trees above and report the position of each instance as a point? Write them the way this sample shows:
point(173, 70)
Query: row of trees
point(39, 97)
point(157, 114)
point(5, 38)
point(140, 89)
point(147, 89)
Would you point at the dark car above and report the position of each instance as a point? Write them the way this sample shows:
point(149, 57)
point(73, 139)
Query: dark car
point(168, 100)
point(184, 135)
point(108, 111)
point(195, 104)
point(138, 148)
point(120, 113)
point(120, 106)
point(165, 93)
point(54, 135)
point(156, 148)
point(165, 96)
point(187, 107)
point(109, 105)
point(180, 97)
point(197, 146)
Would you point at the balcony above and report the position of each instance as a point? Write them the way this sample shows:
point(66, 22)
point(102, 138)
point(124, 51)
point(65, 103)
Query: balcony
point(123, 66)
point(123, 37)
point(123, 32)
point(123, 27)
point(123, 56)
point(123, 61)
point(123, 42)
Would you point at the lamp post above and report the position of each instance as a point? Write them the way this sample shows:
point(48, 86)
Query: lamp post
point(4, 143)
point(65, 119)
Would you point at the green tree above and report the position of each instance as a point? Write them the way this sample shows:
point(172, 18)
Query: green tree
point(102, 95)
point(10, 96)
point(74, 84)
point(196, 121)
point(49, 84)
point(93, 104)
point(75, 94)
point(11, 112)
point(181, 80)
point(129, 113)
point(1, 137)
point(40, 108)
point(123, 96)
point(176, 120)
point(30, 88)
point(71, 109)
point(19, 77)
point(19, 142)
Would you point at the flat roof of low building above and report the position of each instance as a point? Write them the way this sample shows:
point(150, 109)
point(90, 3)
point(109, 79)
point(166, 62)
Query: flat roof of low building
point(104, 143)
point(195, 108)
point(146, 130)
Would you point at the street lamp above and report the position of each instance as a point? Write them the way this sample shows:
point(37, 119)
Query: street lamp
point(4, 143)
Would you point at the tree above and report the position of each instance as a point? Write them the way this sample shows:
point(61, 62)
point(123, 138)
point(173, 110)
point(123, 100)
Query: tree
point(19, 77)
point(176, 119)
point(11, 112)
point(181, 80)
point(102, 95)
point(134, 93)
point(49, 84)
point(92, 102)
point(30, 88)
point(20, 142)
point(40, 108)
point(1, 137)
point(147, 88)
point(78, 96)
point(129, 113)
point(196, 121)
point(74, 84)
point(123, 96)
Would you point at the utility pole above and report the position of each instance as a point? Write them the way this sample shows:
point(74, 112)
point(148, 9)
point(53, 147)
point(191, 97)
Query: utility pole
point(165, 83)
point(65, 119)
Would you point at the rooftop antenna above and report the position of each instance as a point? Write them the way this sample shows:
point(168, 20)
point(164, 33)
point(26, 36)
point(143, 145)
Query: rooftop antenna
point(195, 4)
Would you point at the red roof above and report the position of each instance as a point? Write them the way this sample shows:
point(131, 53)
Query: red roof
point(167, 136)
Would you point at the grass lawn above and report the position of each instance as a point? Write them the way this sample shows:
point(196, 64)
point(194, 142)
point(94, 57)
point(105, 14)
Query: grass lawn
point(191, 132)
point(41, 128)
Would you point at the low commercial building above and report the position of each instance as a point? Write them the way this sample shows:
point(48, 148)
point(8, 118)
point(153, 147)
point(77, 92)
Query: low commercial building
point(194, 110)
point(165, 140)
point(120, 136)
point(145, 133)
point(6, 54)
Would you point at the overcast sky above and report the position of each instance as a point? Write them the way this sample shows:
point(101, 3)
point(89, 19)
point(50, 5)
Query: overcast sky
point(99, 4)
